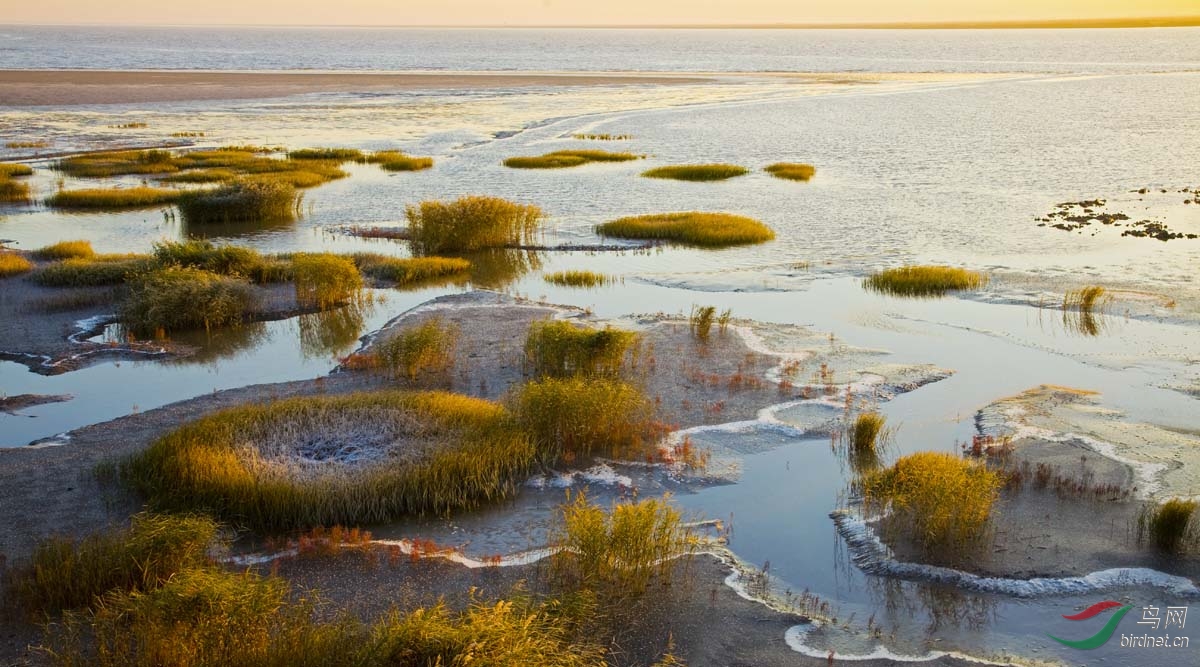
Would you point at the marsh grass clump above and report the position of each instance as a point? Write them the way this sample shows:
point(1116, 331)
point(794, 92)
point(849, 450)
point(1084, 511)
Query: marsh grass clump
point(397, 161)
point(470, 223)
point(118, 163)
point(602, 137)
point(1083, 310)
point(12, 264)
point(213, 618)
point(700, 322)
point(937, 499)
point(707, 230)
point(405, 271)
point(697, 172)
point(577, 278)
point(568, 158)
point(101, 270)
point(619, 551)
point(1169, 526)
point(80, 249)
point(228, 260)
point(559, 348)
point(348, 459)
point(325, 279)
point(14, 170)
point(179, 298)
point(924, 281)
point(135, 197)
point(69, 574)
point(13, 192)
point(216, 175)
point(241, 202)
point(579, 417)
point(27, 144)
point(329, 154)
point(865, 433)
point(792, 171)
point(427, 349)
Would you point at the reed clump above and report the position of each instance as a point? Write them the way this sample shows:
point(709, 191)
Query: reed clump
point(326, 460)
point(576, 278)
point(80, 249)
point(329, 154)
point(707, 230)
point(101, 270)
point(241, 202)
point(227, 260)
point(792, 171)
point(427, 349)
point(697, 172)
point(12, 264)
point(325, 279)
point(1170, 526)
point(118, 163)
point(579, 417)
point(215, 175)
point(69, 574)
point(937, 499)
point(135, 197)
point(405, 271)
point(470, 223)
point(397, 161)
point(560, 349)
point(568, 158)
point(865, 433)
point(1083, 309)
point(618, 552)
point(13, 192)
point(14, 170)
point(924, 281)
point(180, 298)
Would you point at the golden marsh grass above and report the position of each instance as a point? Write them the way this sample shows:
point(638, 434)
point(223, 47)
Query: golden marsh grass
point(577, 278)
point(325, 279)
point(398, 161)
point(99, 271)
point(559, 348)
point(697, 172)
point(12, 264)
point(113, 198)
point(707, 230)
point(80, 249)
point(13, 170)
point(792, 171)
point(568, 158)
point(924, 281)
point(180, 298)
point(411, 271)
point(470, 223)
point(578, 417)
point(241, 202)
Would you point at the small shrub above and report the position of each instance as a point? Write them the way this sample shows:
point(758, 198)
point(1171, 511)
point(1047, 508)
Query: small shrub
point(1169, 525)
point(559, 348)
point(578, 279)
point(618, 552)
point(398, 161)
point(325, 279)
point(135, 197)
point(241, 202)
point(924, 281)
point(12, 264)
point(792, 171)
point(68, 574)
point(697, 172)
point(99, 271)
point(65, 250)
point(708, 230)
point(470, 223)
point(179, 298)
point(331, 154)
point(581, 416)
point(12, 170)
point(567, 158)
point(410, 271)
point(939, 499)
point(426, 349)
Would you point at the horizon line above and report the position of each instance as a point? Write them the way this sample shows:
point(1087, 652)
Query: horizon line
point(1005, 24)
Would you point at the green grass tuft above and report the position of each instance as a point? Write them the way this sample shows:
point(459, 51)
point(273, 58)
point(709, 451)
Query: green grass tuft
point(178, 298)
point(924, 281)
point(559, 348)
point(241, 202)
point(792, 171)
point(708, 230)
point(65, 250)
point(697, 172)
point(68, 574)
point(470, 223)
point(579, 279)
point(136, 197)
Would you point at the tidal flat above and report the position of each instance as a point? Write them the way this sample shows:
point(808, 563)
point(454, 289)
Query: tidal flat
point(726, 382)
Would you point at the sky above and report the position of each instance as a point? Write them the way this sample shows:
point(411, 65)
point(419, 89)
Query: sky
point(569, 12)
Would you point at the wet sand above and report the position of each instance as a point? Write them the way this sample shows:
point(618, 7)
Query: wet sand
point(19, 88)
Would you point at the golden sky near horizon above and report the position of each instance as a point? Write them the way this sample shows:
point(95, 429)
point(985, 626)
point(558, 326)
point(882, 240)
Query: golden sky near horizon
point(574, 12)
